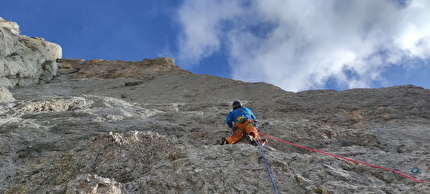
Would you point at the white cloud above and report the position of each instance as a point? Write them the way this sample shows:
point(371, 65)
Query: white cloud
point(202, 27)
point(300, 45)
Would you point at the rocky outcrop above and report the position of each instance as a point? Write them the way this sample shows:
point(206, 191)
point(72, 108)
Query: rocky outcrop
point(5, 95)
point(25, 60)
point(87, 183)
point(146, 68)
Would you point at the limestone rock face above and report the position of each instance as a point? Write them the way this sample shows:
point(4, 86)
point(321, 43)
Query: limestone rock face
point(25, 60)
point(5, 95)
point(87, 183)
point(13, 27)
point(84, 135)
point(120, 69)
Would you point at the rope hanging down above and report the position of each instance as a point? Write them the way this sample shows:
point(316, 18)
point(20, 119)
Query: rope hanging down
point(345, 158)
point(267, 166)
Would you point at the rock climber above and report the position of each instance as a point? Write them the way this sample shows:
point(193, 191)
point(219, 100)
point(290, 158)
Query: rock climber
point(242, 122)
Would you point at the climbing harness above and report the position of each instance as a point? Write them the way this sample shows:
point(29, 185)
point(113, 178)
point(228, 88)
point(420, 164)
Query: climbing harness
point(267, 166)
point(345, 158)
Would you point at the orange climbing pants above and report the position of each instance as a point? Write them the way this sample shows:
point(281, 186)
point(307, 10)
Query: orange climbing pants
point(246, 128)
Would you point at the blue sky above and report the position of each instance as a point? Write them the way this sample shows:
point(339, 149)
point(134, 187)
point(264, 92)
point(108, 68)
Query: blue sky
point(296, 45)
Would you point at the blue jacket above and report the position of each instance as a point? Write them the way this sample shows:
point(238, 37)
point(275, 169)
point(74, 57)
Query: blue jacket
point(232, 116)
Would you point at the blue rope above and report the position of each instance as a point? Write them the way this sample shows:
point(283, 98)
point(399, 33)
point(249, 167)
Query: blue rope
point(267, 166)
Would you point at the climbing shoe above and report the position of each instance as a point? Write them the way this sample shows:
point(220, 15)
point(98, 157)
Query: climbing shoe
point(251, 140)
point(223, 141)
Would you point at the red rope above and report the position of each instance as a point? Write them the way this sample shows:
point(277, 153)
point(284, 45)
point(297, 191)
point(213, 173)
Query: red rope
point(342, 157)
